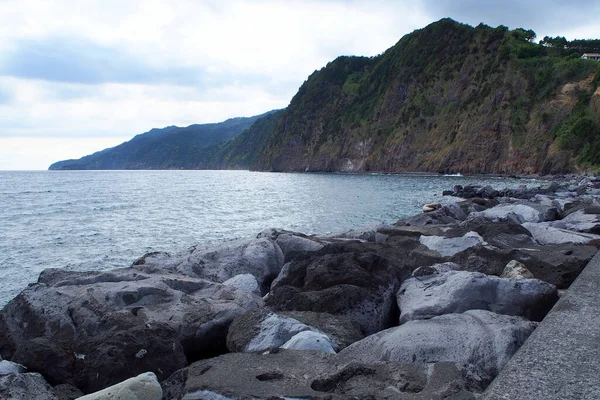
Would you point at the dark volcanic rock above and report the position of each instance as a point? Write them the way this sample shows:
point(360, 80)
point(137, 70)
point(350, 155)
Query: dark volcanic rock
point(29, 386)
point(358, 280)
point(94, 329)
point(261, 329)
point(319, 376)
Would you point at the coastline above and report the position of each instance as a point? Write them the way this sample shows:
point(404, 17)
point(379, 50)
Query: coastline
point(354, 279)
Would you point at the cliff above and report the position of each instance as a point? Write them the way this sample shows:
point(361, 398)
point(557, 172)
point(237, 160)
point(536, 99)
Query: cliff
point(446, 98)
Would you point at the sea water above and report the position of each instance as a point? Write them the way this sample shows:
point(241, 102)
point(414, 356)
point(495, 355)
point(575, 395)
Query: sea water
point(95, 220)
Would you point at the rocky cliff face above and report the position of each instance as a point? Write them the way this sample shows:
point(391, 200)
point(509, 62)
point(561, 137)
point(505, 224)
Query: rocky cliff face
point(446, 98)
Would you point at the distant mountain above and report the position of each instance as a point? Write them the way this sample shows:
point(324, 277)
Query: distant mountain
point(167, 148)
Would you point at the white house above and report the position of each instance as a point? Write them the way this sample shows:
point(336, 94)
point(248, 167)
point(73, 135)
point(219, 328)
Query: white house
point(591, 56)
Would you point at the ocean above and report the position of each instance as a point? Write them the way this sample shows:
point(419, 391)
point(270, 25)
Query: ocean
point(95, 220)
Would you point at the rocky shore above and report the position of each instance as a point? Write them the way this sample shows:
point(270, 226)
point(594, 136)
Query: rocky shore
point(430, 307)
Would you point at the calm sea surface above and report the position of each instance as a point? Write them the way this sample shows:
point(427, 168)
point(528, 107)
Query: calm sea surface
point(92, 220)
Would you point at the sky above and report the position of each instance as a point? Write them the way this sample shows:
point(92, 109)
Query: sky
point(83, 75)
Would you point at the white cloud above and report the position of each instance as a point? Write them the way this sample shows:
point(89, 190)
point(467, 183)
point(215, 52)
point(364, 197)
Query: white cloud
point(251, 56)
point(35, 153)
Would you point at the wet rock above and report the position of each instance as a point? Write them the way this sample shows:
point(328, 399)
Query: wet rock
point(142, 387)
point(481, 338)
point(319, 376)
point(260, 257)
point(458, 291)
point(447, 247)
point(516, 270)
point(93, 329)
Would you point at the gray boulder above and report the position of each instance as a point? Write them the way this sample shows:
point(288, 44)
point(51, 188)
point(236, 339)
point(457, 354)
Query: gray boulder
point(310, 340)
point(318, 376)
point(581, 221)
point(448, 247)
point(260, 257)
point(9, 367)
point(458, 291)
point(547, 234)
point(293, 244)
point(29, 386)
point(261, 330)
point(518, 212)
point(245, 283)
point(483, 339)
point(142, 387)
point(93, 329)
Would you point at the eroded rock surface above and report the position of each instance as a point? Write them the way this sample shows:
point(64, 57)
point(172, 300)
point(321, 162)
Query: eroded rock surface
point(93, 329)
point(483, 339)
point(316, 375)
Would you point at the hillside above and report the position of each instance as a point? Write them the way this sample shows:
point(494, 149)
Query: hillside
point(167, 148)
point(446, 98)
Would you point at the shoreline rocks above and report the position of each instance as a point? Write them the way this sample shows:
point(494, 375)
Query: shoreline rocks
point(429, 307)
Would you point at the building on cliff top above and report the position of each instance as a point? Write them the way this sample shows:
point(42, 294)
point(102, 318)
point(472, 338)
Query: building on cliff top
point(591, 56)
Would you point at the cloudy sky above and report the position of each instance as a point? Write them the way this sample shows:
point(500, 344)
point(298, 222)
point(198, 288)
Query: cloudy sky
point(79, 76)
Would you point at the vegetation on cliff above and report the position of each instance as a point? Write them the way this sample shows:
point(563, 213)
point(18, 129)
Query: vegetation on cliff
point(448, 97)
point(195, 146)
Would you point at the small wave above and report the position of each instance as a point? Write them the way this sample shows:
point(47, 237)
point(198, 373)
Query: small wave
point(456, 174)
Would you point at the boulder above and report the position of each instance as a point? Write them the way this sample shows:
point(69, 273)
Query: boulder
point(245, 283)
point(310, 340)
point(581, 221)
point(546, 234)
point(9, 367)
point(93, 329)
point(559, 264)
point(261, 330)
point(520, 213)
point(142, 387)
point(293, 244)
point(29, 386)
point(357, 280)
point(447, 247)
point(374, 234)
point(318, 376)
point(458, 291)
point(484, 339)
point(260, 257)
point(516, 270)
